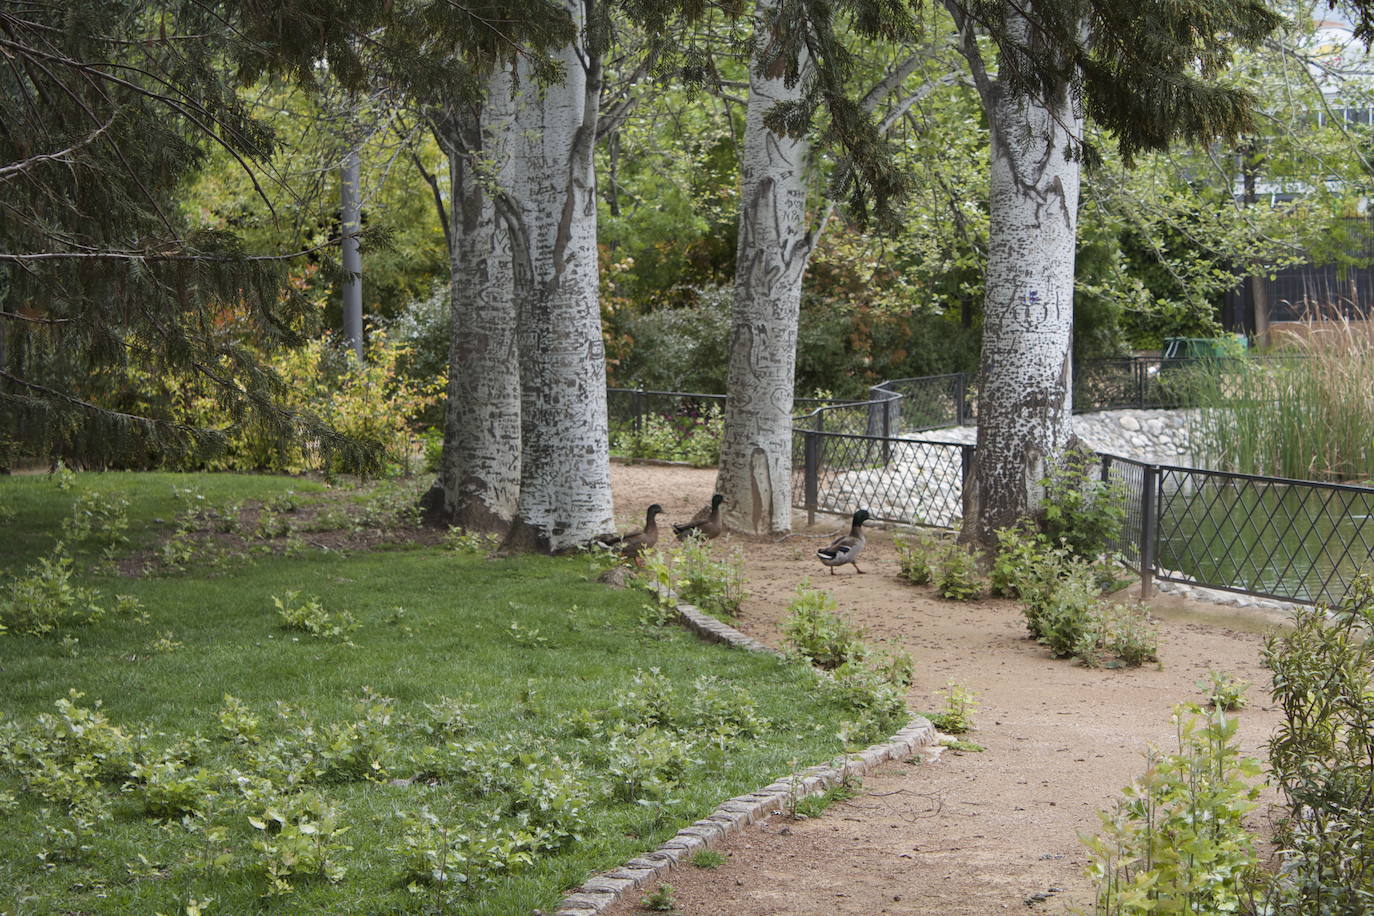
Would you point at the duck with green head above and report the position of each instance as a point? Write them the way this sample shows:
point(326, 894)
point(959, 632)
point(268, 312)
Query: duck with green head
point(846, 549)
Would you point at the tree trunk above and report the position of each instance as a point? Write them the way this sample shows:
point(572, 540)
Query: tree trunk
point(1024, 406)
point(774, 246)
point(565, 488)
point(350, 215)
point(479, 474)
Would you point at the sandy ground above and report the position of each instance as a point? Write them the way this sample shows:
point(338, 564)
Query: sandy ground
point(965, 833)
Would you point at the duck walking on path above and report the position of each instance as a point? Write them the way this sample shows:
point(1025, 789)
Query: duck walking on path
point(846, 549)
point(705, 524)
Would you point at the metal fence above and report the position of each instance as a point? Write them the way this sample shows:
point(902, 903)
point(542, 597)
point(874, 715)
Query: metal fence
point(1292, 540)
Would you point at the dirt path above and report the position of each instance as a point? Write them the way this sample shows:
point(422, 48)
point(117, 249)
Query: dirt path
point(966, 833)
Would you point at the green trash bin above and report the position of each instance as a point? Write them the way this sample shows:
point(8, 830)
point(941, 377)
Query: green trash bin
point(1180, 350)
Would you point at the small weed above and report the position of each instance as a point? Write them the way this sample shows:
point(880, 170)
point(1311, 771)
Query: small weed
point(309, 616)
point(957, 716)
point(661, 900)
point(960, 746)
point(917, 555)
point(165, 643)
point(527, 636)
point(707, 858)
point(815, 805)
point(471, 542)
point(1223, 691)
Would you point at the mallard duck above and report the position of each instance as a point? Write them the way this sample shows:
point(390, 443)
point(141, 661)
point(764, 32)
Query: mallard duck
point(705, 524)
point(846, 549)
point(631, 545)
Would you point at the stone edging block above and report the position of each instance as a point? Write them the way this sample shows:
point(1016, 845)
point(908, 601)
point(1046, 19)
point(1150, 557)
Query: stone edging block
point(599, 892)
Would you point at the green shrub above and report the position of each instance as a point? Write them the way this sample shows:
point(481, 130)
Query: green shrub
point(309, 616)
point(1064, 623)
point(45, 599)
point(98, 517)
point(817, 633)
point(1223, 691)
point(1322, 756)
point(715, 585)
point(917, 555)
point(1176, 845)
point(1079, 509)
point(1023, 556)
point(371, 402)
point(877, 702)
point(956, 574)
point(1118, 634)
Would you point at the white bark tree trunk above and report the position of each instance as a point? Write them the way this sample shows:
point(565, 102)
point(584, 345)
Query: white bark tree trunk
point(479, 475)
point(1024, 395)
point(565, 489)
point(774, 246)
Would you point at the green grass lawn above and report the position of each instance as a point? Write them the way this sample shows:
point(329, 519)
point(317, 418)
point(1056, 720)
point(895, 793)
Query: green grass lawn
point(574, 735)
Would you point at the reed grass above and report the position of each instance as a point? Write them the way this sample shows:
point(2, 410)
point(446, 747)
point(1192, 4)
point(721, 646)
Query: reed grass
point(1310, 417)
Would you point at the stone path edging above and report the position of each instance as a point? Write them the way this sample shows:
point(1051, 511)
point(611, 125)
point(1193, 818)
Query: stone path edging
point(599, 892)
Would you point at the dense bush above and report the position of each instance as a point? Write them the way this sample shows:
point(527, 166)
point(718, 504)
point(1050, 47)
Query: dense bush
point(816, 632)
point(1322, 756)
point(1176, 845)
point(373, 403)
point(1080, 510)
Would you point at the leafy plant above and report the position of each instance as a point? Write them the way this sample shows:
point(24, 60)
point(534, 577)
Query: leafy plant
point(1176, 843)
point(46, 599)
point(1020, 564)
point(692, 571)
point(707, 858)
point(660, 900)
point(300, 837)
point(917, 555)
point(309, 616)
point(817, 633)
point(471, 542)
point(1223, 690)
point(956, 717)
point(1322, 755)
point(99, 518)
point(1079, 509)
point(956, 574)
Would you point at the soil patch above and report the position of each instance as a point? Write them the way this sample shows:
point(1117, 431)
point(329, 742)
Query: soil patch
point(955, 833)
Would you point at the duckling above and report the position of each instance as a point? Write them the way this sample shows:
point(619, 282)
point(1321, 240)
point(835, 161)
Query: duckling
point(636, 542)
point(705, 524)
point(846, 549)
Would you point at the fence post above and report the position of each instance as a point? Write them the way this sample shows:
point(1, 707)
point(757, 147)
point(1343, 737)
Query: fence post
point(887, 432)
point(1149, 529)
point(960, 397)
point(638, 404)
point(1141, 374)
point(1106, 468)
point(811, 472)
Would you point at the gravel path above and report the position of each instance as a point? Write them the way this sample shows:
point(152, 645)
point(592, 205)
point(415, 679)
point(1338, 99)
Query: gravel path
point(962, 833)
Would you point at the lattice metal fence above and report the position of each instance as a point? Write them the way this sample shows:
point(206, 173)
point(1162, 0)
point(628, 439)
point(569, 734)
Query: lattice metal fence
point(1289, 539)
point(1292, 540)
point(896, 480)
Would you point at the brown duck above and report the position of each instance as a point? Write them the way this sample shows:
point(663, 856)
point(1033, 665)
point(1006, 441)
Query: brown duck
point(631, 545)
point(705, 524)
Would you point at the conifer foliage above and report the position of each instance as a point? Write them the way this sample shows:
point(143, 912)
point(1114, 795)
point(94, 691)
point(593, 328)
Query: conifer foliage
point(106, 108)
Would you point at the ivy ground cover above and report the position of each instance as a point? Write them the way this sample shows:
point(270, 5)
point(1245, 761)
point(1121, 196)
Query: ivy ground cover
point(382, 731)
